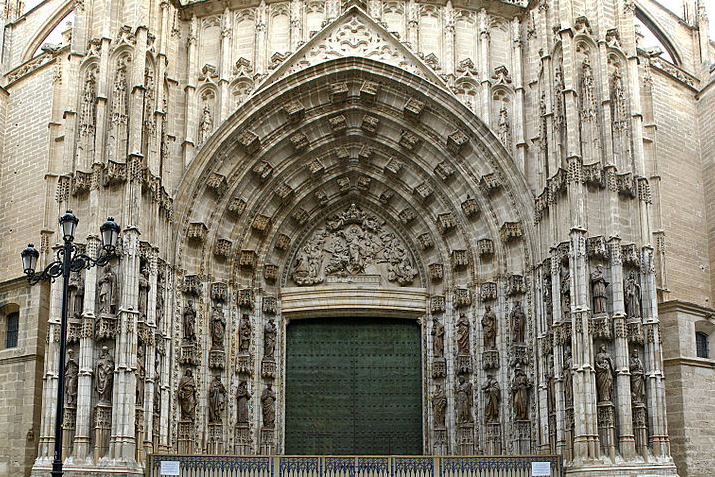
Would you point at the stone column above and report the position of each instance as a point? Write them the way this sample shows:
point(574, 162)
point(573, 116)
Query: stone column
point(518, 81)
point(190, 92)
point(223, 106)
point(564, 444)
point(150, 356)
point(485, 72)
point(448, 66)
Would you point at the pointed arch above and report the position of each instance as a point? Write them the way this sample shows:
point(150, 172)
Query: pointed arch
point(50, 24)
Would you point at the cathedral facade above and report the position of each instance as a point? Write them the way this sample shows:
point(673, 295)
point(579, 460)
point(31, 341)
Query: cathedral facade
point(361, 227)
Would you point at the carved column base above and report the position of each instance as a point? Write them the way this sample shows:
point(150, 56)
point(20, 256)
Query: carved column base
point(102, 429)
point(268, 443)
point(268, 368)
point(440, 441)
point(490, 359)
point(439, 368)
point(640, 428)
point(493, 438)
point(215, 438)
point(607, 428)
point(185, 437)
point(465, 439)
point(464, 364)
point(242, 440)
point(139, 434)
point(189, 353)
point(244, 364)
point(217, 357)
point(68, 428)
point(522, 434)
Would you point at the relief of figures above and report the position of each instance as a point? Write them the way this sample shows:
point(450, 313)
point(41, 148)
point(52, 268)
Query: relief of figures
point(518, 323)
point(565, 292)
point(489, 328)
point(141, 376)
point(217, 399)
point(107, 286)
point(598, 288)
point(218, 327)
point(353, 243)
point(186, 393)
point(604, 374)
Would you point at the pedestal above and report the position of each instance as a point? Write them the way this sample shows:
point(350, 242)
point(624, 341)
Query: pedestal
point(244, 364)
point(465, 439)
point(217, 358)
point(640, 428)
point(102, 429)
point(185, 437)
point(68, 428)
point(215, 438)
point(522, 435)
point(267, 441)
point(439, 446)
point(439, 368)
point(464, 364)
point(268, 368)
point(607, 429)
point(189, 353)
point(519, 355)
point(493, 438)
point(601, 326)
point(242, 440)
point(490, 359)
point(106, 327)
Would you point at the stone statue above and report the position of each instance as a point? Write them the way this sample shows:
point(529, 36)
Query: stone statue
point(76, 294)
point(143, 293)
point(437, 338)
point(269, 338)
point(565, 292)
point(157, 384)
point(567, 373)
point(551, 382)
point(548, 301)
point(637, 377)
point(463, 400)
point(217, 399)
point(268, 404)
point(604, 374)
point(71, 372)
point(462, 335)
point(518, 323)
point(141, 375)
point(598, 288)
point(159, 305)
point(244, 334)
point(218, 327)
point(492, 399)
point(633, 296)
point(520, 391)
point(439, 407)
point(489, 328)
point(189, 322)
point(242, 398)
point(104, 375)
point(186, 393)
point(107, 286)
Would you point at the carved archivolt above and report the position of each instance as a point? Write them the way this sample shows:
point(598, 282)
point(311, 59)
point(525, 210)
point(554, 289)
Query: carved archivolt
point(353, 243)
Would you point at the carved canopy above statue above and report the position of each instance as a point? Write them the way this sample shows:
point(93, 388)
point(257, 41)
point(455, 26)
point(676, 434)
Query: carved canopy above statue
point(353, 244)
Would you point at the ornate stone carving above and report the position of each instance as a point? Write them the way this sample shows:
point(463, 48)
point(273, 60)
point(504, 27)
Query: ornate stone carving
point(456, 141)
point(408, 140)
point(295, 111)
point(470, 208)
point(366, 152)
point(406, 216)
point(368, 91)
point(604, 374)
point(343, 184)
point(439, 407)
point(315, 167)
point(242, 399)
point(393, 166)
point(338, 123)
point(515, 285)
point(245, 298)
point(218, 327)
point(462, 297)
point(237, 206)
point(270, 305)
point(596, 247)
point(299, 142)
point(219, 291)
point(369, 124)
point(629, 255)
point(436, 271)
point(197, 231)
point(446, 222)
point(490, 183)
point(511, 231)
point(338, 92)
point(192, 285)
point(247, 259)
point(189, 322)
point(635, 366)
point(249, 141)
point(268, 406)
point(488, 291)
point(425, 241)
point(598, 288)
point(423, 192)
point(270, 272)
point(351, 243)
point(216, 399)
point(71, 372)
point(222, 248)
point(263, 170)
point(76, 295)
point(437, 338)
point(632, 292)
point(217, 183)
point(489, 329)
point(485, 247)
point(444, 170)
point(413, 109)
point(460, 259)
point(437, 304)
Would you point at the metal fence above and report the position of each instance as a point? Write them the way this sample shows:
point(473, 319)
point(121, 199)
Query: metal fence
point(353, 466)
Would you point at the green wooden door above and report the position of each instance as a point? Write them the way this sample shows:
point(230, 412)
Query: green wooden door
point(353, 386)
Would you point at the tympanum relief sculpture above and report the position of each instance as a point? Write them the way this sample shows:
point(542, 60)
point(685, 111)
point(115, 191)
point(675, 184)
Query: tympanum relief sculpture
point(352, 243)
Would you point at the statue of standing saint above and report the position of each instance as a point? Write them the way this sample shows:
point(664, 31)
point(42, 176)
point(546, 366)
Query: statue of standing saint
point(143, 293)
point(633, 296)
point(218, 327)
point(463, 400)
point(462, 335)
point(76, 295)
point(518, 323)
point(604, 374)
point(437, 338)
point(242, 398)
point(217, 399)
point(141, 375)
point(268, 400)
point(492, 398)
point(637, 377)
point(489, 328)
point(269, 338)
point(244, 334)
point(189, 321)
point(520, 391)
point(567, 373)
point(107, 286)
point(186, 393)
point(104, 375)
point(439, 407)
point(598, 288)
point(71, 372)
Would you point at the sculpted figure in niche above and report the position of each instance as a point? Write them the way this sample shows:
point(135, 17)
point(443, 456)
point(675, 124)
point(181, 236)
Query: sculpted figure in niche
point(633, 296)
point(104, 375)
point(269, 338)
point(244, 334)
point(157, 384)
point(492, 399)
point(71, 372)
point(186, 393)
point(189, 322)
point(551, 382)
point(518, 323)
point(637, 377)
point(604, 374)
point(567, 372)
point(217, 399)
point(489, 328)
point(218, 327)
point(565, 292)
point(76, 294)
point(548, 302)
point(107, 286)
point(462, 335)
point(268, 400)
point(141, 375)
point(598, 288)
point(143, 292)
point(242, 398)
point(463, 399)
point(437, 338)
point(439, 407)
point(159, 305)
point(520, 392)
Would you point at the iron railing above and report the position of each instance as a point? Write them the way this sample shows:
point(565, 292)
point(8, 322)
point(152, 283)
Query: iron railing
point(354, 466)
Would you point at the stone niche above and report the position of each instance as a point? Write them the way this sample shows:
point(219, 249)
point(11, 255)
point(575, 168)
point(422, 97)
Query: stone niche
point(353, 246)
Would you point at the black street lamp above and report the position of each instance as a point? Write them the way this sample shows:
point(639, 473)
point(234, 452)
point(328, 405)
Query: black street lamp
point(68, 260)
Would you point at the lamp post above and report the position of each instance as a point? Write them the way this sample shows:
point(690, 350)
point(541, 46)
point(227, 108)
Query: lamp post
point(68, 260)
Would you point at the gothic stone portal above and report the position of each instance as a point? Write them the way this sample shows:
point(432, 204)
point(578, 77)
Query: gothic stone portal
point(353, 386)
